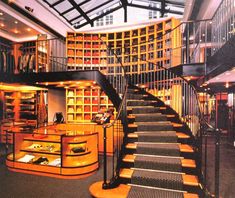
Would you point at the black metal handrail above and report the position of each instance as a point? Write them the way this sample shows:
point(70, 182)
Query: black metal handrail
point(121, 115)
point(193, 102)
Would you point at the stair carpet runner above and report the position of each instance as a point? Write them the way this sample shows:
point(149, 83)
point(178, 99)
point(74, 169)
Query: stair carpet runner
point(157, 170)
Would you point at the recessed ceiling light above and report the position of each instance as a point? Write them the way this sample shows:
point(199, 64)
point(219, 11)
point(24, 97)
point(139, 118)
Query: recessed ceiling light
point(16, 31)
point(2, 25)
point(16, 22)
point(28, 29)
point(1, 13)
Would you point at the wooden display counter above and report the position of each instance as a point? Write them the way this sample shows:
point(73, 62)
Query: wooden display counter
point(111, 133)
point(68, 154)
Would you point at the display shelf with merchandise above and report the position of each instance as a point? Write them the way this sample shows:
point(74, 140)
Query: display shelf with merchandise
point(63, 154)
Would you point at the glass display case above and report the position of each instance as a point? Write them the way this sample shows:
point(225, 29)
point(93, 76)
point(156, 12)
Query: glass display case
point(56, 153)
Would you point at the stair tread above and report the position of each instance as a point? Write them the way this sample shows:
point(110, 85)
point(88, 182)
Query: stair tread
point(152, 114)
point(178, 134)
point(183, 147)
point(185, 162)
point(121, 191)
point(190, 180)
point(138, 107)
point(135, 124)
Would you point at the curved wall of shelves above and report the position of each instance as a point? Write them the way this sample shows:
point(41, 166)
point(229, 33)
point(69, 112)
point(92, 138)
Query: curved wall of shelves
point(136, 48)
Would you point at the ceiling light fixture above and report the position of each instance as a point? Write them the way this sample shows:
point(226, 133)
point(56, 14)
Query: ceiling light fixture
point(1, 13)
point(16, 22)
point(28, 8)
point(227, 85)
point(28, 29)
point(2, 25)
point(16, 31)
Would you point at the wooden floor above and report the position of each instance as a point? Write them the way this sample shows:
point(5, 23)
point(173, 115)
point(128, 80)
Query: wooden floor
point(120, 192)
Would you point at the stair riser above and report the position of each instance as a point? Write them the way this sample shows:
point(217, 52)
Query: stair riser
point(182, 154)
point(135, 96)
point(147, 110)
point(150, 118)
point(154, 128)
point(133, 140)
point(149, 139)
point(190, 171)
point(140, 103)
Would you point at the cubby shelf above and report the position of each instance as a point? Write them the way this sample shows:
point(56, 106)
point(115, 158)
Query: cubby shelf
point(134, 48)
point(82, 104)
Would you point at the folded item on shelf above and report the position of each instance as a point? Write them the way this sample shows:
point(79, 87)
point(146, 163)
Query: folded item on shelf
point(34, 146)
point(56, 162)
point(48, 148)
point(27, 158)
point(41, 160)
point(79, 149)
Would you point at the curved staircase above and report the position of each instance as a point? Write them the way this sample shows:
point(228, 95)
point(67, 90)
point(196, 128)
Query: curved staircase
point(159, 160)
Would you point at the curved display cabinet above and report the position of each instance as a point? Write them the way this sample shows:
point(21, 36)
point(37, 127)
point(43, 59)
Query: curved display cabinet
point(66, 154)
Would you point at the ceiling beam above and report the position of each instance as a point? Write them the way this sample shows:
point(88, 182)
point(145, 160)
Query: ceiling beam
point(155, 9)
point(170, 2)
point(75, 5)
point(56, 3)
point(56, 10)
point(163, 8)
point(70, 9)
point(125, 4)
point(100, 16)
point(93, 9)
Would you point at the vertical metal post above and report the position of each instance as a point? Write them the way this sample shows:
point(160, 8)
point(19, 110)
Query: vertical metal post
point(205, 157)
point(217, 161)
point(105, 160)
point(187, 43)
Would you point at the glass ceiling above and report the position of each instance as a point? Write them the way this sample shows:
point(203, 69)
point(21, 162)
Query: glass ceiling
point(79, 13)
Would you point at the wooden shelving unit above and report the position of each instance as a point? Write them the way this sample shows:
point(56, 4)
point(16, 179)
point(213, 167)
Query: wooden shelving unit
point(137, 49)
point(20, 107)
point(82, 104)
